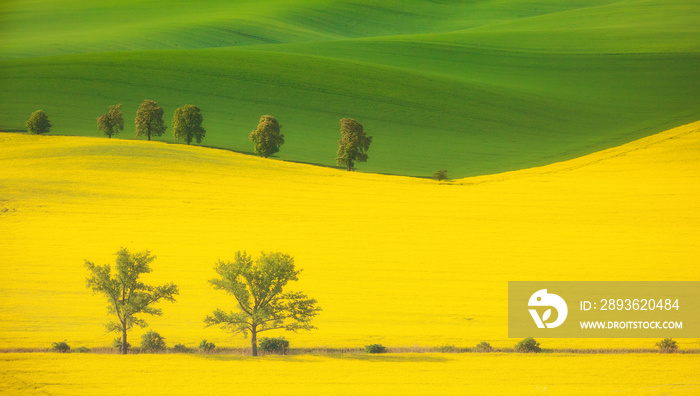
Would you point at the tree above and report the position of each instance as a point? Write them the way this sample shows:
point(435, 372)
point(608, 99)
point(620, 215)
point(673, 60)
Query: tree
point(149, 119)
point(127, 295)
point(262, 304)
point(111, 122)
point(440, 175)
point(38, 123)
point(353, 144)
point(267, 136)
point(187, 124)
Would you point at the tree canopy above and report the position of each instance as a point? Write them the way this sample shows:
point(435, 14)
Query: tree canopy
point(353, 143)
point(262, 304)
point(187, 124)
point(111, 122)
point(267, 136)
point(38, 123)
point(126, 294)
point(149, 119)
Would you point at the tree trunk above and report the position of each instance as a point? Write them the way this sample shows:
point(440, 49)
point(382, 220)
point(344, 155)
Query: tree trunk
point(254, 341)
point(124, 345)
point(149, 136)
point(349, 166)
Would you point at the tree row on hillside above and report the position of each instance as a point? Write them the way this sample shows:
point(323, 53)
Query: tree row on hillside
point(187, 122)
point(187, 126)
point(258, 286)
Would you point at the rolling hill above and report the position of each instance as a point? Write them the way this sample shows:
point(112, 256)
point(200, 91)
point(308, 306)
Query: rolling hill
point(471, 87)
point(393, 260)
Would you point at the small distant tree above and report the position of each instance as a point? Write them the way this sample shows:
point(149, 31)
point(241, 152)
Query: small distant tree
point(667, 345)
point(38, 123)
point(353, 143)
point(149, 119)
point(483, 346)
point(440, 175)
point(127, 295)
point(267, 136)
point(528, 345)
point(111, 122)
point(262, 303)
point(187, 124)
point(60, 346)
point(376, 348)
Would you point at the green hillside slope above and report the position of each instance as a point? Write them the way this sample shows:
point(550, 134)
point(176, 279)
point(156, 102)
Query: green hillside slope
point(472, 87)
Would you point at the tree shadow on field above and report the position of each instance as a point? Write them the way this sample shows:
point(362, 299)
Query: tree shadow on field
point(316, 358)
point(390, 357)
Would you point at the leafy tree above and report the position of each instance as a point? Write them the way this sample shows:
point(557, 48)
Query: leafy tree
point(353, 143)
point(267, 136)
point(38, 123)
point(187, 124)
point(127, 295)
point(111, 122)
point(149, 119)
point(262, 304)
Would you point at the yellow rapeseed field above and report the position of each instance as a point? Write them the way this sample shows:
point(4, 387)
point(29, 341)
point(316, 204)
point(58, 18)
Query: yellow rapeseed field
point(392, 260)
point(420, 374)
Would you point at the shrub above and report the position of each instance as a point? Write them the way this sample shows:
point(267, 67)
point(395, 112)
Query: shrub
point(206, 346)
point(445, 348)
point(181, 348)
point(440, 175)
point(375, 348)
point(667, 345)
point(82, 349)
point(152, 342)
point(61, 347)
point(483, 346)
point(273, 345)
point(528, 345)
point(117, 343)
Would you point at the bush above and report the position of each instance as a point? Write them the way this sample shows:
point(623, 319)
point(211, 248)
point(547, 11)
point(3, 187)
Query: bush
point(667, 345)
point(440, 175)
point(181, 348)
point(375, 348)
point(528, 345)
point(61, 347)
point(273, 345)
point(82, 349)
point(152, 342)
point(117, 343)
point(445, 348)
point(206, 346)
point(483, 346)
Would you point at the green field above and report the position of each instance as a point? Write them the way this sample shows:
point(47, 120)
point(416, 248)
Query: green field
point(472, 87)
